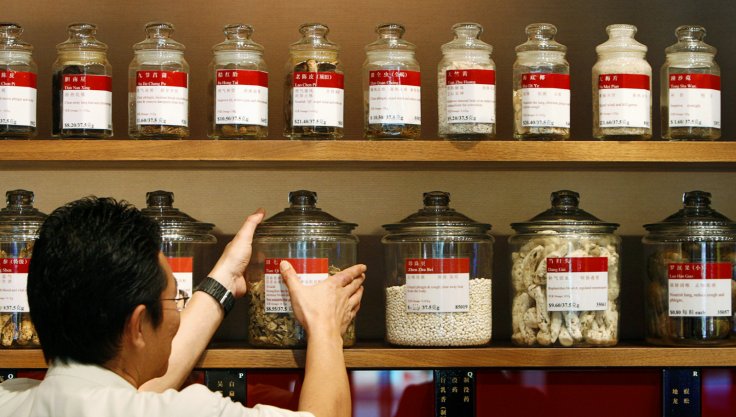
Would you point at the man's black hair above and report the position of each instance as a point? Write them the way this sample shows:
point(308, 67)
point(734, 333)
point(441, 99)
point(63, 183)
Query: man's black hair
point(94, 261)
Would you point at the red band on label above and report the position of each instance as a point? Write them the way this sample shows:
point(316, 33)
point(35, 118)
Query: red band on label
point(711, 82)
point(17, 79)
point(536, 80)
point(242, 77)
point(14, 265)
point(707, 270)
point(86, 82)
point(161, 79)
point(318, 79)
point(592, 264)
point(438, 266)
point(395, 77)
point(470, 76)
point(301, 266)
point(181, 264)
point(634, 81)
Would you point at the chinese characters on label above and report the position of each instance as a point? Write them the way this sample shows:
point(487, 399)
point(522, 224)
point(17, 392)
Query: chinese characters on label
point(471, 96)
point(241, 97)
point(162, 98)
point(577, 284)
point(394, 97)
point(695, 100)
point(699, 289)
point(437, 285)
point(624, 100)
point(545, 100)
point(17, 98)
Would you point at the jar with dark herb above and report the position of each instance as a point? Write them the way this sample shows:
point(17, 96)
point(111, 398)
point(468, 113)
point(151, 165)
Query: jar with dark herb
point(81, 86)
point(541, 86)
point(690, 287)
point(691, 88)
point(391, 86)
point(158, 86)
point(314, 86)
point(17, 84)
point(19, 224)
point(238, 87)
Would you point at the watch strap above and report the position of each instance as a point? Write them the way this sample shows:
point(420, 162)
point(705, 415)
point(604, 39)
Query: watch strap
point(217, 291)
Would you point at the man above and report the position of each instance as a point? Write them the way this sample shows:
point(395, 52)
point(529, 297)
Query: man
point(105, 306)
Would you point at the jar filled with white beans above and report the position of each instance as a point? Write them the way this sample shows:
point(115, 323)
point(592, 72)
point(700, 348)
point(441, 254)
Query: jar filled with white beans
point(438, 283)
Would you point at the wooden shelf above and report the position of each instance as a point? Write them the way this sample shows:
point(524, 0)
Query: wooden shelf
point(382, 357)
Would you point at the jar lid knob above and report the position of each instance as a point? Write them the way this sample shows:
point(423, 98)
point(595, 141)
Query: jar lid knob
point(19, 198)
point(159, 198)
point(303, 198)
point(436, 199)
point(696, 199)
point(565, 200)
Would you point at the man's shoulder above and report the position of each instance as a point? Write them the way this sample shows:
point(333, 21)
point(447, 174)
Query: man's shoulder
point(16, 396)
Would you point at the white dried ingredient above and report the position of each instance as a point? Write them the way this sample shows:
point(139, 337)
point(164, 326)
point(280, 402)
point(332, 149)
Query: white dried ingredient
point(440, 329)
point(620, 66)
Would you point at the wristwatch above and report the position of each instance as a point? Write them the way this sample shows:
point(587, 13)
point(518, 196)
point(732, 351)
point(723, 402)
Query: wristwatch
point(218, 292)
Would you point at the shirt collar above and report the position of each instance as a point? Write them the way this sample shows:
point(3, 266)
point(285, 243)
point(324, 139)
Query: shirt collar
point(91, 373)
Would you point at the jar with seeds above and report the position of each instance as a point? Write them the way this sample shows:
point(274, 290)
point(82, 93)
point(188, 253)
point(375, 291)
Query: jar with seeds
point(690, 98)
point(622, 85)
point(314, 86)
point(316, 244)
point(466, 86)
point(18, 74)
point(391, 86)
point(541, 86)
point(238, 107)
point(19, 224)
point(158, 86)
point(439, 274)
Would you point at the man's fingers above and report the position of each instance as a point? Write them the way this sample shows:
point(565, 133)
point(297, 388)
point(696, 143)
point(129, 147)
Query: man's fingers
point(354, 300)
point(355, 284)
point(348, 275)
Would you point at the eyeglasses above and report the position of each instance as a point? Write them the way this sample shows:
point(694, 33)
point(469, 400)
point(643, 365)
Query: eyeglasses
point(181, 302)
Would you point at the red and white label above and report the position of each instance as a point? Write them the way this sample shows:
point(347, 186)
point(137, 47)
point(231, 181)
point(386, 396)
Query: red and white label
point(183, 269)
point(624, 100)
point(471, 96)
point(577, 284)
point(17, 98)
point(86, 102)
point(545, 100)
point(700, 289)
point(695, 100)
point(310, 271)
point(13, 279)
point(317, 99)
point(241, 97)
point(162, 98)
point(438, 285)
point(394, 97)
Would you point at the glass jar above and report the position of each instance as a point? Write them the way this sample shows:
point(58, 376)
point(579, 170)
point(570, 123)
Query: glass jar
point(566, 277)
point(314, 86)
point(81, 86)
point(238, 87)
point(158, 86)
point(19, 224)
point(466, 86)
point(183, 240)
point(438, 277)
point(690, 288)
point(691, 88)
point(18, 74)
point(391, 86)
point(316, 244)
point(541, 86)
point(622, 85)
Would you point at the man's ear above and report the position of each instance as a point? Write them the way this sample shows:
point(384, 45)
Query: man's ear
point(134, 332)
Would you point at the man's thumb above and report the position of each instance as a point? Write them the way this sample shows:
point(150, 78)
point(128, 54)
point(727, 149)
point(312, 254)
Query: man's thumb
point(288, 274)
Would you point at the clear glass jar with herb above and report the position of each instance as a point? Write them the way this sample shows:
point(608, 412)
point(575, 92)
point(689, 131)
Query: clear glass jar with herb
point(81, 86)
point(238, 87)
point(158, 86)
point(391, 86)
point(18, 73)
point(314, 86)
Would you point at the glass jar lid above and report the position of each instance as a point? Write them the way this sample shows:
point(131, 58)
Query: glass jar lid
point(314, 37)
point(10, 38)
point(621, 39)
point(690, 39)
point(19, 219)
point(303, 217)
point(541, 37)
point(696, 220)
point(467, 36)
point(81, 38)
point(158, 36)
point(238, 38)
point(390, 36)
point(436, 217)
point(564, 216)
point(176, 226)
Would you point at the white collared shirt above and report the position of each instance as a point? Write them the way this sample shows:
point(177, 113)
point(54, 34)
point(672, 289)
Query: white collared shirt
point(76, 390)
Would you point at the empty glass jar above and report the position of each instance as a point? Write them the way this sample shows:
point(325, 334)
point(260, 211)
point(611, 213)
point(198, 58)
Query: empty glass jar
point(18, 81)
point(438, 277)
